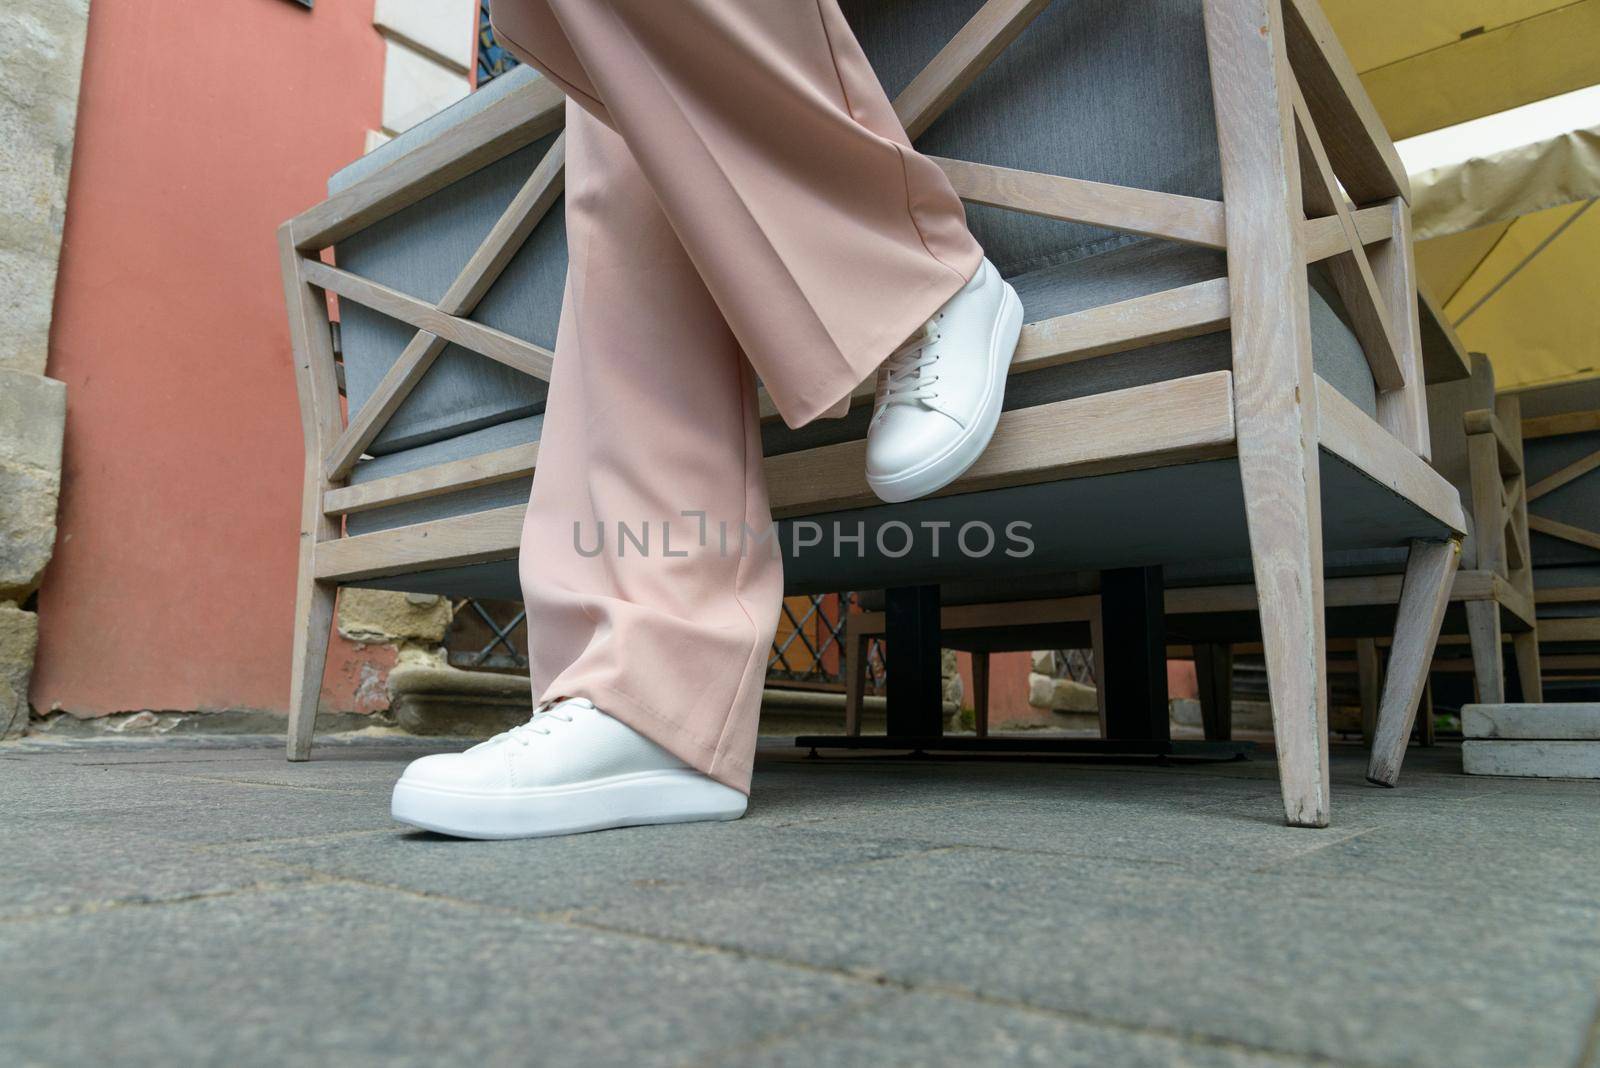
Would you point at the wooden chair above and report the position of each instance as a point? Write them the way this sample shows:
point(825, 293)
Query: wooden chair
point(1199, 412)
point(1477, 445)
point(1560, 432)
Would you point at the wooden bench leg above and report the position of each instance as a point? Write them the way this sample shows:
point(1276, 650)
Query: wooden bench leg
point(1274, 384)
point(1289, 580)
point(1213, 667)
point(313, 622)
point(1526, 648)
point(980, 694)
point(1424, 593)
point(321, 421)
point(1488, 664)
point(1369, 675)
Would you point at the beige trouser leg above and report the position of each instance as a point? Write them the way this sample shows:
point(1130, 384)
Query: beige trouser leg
point(739, 193)
point(824, 238)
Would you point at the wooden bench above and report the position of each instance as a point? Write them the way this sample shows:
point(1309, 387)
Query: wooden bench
point(1185, 388)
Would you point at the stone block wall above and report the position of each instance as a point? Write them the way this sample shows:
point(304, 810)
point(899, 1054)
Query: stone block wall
point(41, 55)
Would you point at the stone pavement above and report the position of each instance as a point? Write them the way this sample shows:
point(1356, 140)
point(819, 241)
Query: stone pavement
point(202, 901)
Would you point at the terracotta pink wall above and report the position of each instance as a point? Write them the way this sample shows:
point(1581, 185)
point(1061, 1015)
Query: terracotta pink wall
point(1181, 680)
point(1008, 687)
point(201, 127)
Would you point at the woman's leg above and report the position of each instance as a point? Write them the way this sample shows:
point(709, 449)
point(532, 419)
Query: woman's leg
point(650, 452)
point(739, 191)
point(652, 598)
point(824, 239)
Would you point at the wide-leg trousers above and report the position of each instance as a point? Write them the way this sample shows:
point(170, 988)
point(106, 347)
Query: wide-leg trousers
point(740, 200)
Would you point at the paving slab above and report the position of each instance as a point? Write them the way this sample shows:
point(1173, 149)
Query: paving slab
point(1165, 829)
point(41, 786)
point(41, 871)
point(1499, 847)
point(1295, 966)
point(616, 868)
point(41, 776)
point(919, 1029)
point(345, 770)
point(203, 900)
point(182, 809)
point(354, 975)
point(1433, 771)
point(198, 748)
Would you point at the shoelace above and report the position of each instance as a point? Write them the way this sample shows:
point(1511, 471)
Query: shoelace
point(904, 377)
point(539, 724)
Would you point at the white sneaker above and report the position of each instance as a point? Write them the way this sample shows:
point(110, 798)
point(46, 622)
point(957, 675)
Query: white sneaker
point(570, 768)
point(939, 393)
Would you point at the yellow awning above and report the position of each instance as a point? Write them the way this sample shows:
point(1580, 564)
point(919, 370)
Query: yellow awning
point(1498, 187)
point(1434, 63)
point(1529, 291)
point(1507, 243)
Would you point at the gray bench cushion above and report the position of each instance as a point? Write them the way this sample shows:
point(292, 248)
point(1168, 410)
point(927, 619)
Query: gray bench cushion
point(420, 251)
point(478, 499)
point(1113, 91)
point(1124, 272)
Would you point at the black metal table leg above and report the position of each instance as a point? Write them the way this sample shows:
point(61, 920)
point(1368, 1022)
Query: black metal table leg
point(916, 691)
point(1135, 677)
point(1133, 620)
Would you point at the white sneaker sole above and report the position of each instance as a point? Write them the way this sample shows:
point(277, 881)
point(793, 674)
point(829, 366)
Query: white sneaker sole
point(636, 800)
point(951, 462)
